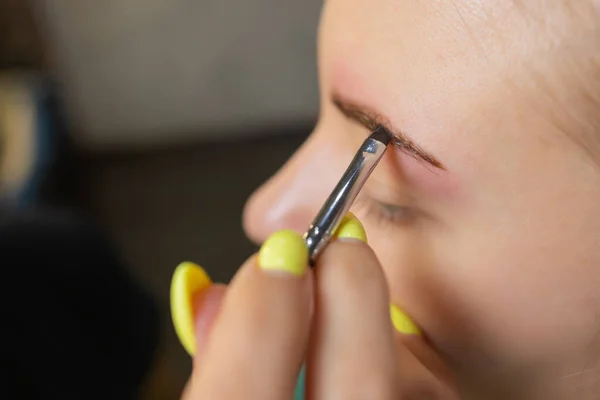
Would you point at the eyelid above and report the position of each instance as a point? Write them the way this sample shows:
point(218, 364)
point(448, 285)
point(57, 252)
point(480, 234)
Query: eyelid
point(395, 216)
point(393, 194)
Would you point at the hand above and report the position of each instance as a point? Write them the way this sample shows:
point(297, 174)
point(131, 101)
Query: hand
point(249, 340)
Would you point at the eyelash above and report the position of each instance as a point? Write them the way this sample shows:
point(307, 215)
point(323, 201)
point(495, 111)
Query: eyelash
point(388, 215)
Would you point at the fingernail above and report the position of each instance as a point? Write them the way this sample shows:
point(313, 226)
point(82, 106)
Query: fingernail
point(402, 322)
point(284, 251)
point(188, 279)
point(351, 228)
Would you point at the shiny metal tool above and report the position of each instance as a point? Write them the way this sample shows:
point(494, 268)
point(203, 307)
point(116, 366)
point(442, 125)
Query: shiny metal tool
point(339, 201)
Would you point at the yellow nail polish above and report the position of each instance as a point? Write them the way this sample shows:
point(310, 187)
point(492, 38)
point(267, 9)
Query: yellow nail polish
point(402, 322)
point(284, 251)
point(188, 279)
point(350, 227)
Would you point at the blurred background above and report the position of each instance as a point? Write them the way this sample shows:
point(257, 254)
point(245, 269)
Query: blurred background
point(148, 123)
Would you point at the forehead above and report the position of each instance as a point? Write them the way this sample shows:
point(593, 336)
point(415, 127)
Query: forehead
point(410, 40)
point(450, 73)
point(448, 47)
point(425, 64)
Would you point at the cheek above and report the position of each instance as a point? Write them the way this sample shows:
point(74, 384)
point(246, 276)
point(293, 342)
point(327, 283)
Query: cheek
point(428, 180)
point(518, 284)
point(502, 288)
point(508, 300)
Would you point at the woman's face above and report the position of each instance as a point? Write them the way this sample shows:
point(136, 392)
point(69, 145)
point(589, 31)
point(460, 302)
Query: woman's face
point(497, 254)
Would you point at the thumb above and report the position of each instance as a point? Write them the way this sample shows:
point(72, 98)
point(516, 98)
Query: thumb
point(422, 372)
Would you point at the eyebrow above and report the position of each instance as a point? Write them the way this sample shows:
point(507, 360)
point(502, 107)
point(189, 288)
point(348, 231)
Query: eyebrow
point(371, 120)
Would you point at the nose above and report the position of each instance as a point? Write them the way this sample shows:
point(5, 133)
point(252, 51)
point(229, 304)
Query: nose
point(293, 196)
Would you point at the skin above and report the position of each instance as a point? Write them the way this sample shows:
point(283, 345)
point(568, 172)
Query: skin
point(254, 335)
point(496, 257)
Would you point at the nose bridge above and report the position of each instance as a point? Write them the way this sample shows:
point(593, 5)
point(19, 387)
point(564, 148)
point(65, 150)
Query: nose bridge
point(292, 197)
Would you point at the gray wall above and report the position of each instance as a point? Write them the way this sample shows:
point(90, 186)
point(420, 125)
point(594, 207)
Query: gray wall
point(139, 72)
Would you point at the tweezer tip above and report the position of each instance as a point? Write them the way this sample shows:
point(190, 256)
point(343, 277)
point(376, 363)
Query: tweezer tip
point(381, 135)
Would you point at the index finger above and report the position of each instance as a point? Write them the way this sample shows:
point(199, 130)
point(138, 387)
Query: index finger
point(258, 340)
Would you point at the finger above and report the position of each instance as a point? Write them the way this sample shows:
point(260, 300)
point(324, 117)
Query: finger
point(421, 372)
point(256, 344)
point(352, 349)
point(194, 304)
point(206, 304)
